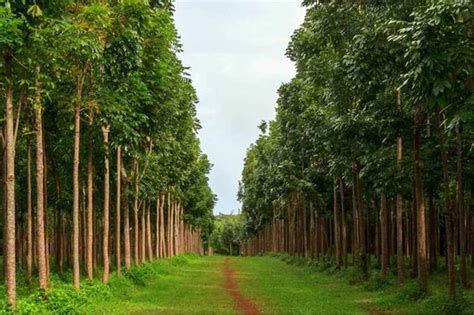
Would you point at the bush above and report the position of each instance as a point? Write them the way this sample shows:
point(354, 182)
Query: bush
point(413, 291)
point(377, 282)
point(356, 276)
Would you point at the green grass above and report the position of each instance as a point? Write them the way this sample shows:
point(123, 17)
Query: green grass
point(185, 284)
point(280, 288)
point(291, 285)
point(278, 284)
point(193, 286)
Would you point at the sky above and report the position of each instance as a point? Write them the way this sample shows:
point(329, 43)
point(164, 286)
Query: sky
point(236, 53)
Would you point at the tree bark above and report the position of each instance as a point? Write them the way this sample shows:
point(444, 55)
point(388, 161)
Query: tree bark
point(9, 226)
point(90, 204)
point(336, 225)
point(118, 210)
point(40, 226)
point(126, 225)
point(29, 256)
point(75, 183)
point(420, 202)
point(105, 231)
point(384, 235)
point(399, 214)
point(448, 212)
point(460, 207)
point(135, 215)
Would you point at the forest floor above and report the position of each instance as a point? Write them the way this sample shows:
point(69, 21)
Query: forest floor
point(241, 285)
point(277, 284)
point(281, 285)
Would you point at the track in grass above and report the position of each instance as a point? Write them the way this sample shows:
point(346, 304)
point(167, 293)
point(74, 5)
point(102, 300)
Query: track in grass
point(242, 303)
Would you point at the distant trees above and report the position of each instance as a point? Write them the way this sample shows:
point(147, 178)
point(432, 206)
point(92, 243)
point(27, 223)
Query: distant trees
point(228, 234)
point(371, 150)
point(94, 91)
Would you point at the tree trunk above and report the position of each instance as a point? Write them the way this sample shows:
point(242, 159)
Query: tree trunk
point(29, 256)
point(40, 226)
point(105, 231)
point(157, 227)
point(75, 183)
point(384, 235)
point(90, 204)
point(9, 224)
point(135, 215)
point(126, 225)
point(448, 212)
point(148, 234)
point(143, 233)
point(420, 202)
point(117, 210)
point(460, 207)
point(336, 225)
point(399, 214)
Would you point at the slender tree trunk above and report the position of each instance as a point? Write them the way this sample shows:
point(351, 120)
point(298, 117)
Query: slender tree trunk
point(344, 225)
point(75, 184)
point(118, 210)
point(336, 225)
point(162, 226)
point(420, 202)
point(9, 223)
point(126, 225)
point(384, 235)
point(90, 204)
point(143, 233)
point(399, 209)
point(105, 235)
point(447, 212)
point(40, 226)
point(148, 233)
point(29, 256)
point(460, 207)
point(157, 227)
point(135, 215)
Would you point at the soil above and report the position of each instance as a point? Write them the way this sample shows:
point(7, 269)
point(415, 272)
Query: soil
point(242, 304)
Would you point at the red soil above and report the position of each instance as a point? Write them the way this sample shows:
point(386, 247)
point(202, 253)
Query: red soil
point(242, 304)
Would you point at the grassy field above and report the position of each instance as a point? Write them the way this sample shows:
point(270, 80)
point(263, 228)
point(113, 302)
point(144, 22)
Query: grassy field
point(189, 285)
point(276, 284)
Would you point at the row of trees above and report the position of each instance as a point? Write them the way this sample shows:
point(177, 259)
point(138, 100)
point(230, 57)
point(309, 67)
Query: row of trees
point(99, 122)
point(371, 152)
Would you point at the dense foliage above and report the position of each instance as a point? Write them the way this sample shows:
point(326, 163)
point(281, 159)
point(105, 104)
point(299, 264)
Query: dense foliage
point(228, 234)
point(373, 140)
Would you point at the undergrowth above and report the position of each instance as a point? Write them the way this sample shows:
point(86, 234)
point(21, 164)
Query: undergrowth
point(62, 298)
point(410, 298)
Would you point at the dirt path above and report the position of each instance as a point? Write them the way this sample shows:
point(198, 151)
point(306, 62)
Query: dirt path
point(242, 303)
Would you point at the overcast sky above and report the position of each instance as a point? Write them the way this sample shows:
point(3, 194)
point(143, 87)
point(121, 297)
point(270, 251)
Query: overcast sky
point(236, 51)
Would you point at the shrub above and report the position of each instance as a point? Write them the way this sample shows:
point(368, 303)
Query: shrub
point(444, 304)
point(413, 291)
point(377, 282)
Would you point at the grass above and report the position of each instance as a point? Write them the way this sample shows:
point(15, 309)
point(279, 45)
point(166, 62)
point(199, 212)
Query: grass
point(278, 284)
point(185, 284)
point(281, 288)
point(176, 287)
point(305, 287)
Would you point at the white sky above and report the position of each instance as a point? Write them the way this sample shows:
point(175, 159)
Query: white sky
point(236, 51)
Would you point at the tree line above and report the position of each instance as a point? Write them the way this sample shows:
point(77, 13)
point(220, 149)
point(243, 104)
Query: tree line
point(101, 163)
point(371, 153)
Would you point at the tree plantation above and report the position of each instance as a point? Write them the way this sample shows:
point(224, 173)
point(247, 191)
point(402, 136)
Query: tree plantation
point(356, 198)
point(101, 164)
point(370, 159)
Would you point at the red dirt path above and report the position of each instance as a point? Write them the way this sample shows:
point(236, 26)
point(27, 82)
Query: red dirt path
point(242, 304)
